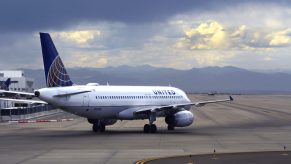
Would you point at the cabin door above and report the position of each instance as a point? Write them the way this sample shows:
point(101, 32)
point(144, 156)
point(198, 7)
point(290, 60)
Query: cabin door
point(86, 99)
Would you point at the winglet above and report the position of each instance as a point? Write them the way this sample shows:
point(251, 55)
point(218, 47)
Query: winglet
point(230, 98)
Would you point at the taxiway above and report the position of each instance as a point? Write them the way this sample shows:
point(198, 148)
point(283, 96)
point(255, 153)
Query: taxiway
point(250, 123)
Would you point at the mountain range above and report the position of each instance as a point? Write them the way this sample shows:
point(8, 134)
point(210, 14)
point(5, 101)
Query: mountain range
point(196, 80)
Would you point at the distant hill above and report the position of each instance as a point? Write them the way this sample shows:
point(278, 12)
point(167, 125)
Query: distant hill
point(219, 79)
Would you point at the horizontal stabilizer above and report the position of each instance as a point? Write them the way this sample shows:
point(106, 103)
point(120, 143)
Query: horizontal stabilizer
point(23, 101)
point(70, 94)
point(17, 93)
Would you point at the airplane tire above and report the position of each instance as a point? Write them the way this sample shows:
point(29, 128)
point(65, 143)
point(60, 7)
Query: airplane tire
point(95, 128)
point(170, 127)
point(153, 128)
point(146, 128)
point(102, 128)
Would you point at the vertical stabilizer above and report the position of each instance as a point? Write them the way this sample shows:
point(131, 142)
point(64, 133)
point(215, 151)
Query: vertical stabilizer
point(55, 71)
point(5, 85)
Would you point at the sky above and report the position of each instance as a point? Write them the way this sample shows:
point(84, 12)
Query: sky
point(180, 34)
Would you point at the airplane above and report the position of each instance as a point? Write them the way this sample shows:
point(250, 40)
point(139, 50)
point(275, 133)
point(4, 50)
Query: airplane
point(103, 105)
point(5, 85)
point(212, 93)
point(5, 92)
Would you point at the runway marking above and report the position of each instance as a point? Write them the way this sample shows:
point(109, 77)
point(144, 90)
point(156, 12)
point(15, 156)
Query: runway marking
point(39, 121)
point(146, 160)
point(32, 157)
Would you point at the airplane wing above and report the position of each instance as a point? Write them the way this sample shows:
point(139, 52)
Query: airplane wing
point(17, 93)
point(202, 103)
point(177, 107)
point(24, 101)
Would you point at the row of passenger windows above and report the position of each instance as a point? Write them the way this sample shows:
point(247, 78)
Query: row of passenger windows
point(17, 89)
point(139, 97)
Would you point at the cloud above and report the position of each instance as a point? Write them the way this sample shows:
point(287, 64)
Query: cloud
point(78, 59)
point(170, 33)
point(212, 58)
point(267, 58)
point(281, 38)
point(80, 37)
point(240, 32)
point(209, 35)
point(35, 15)
point(212, 35)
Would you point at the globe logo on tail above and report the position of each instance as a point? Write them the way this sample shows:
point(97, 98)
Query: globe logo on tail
point(57, 75)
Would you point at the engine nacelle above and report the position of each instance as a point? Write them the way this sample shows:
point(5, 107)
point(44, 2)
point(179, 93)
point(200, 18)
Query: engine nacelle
point(104, 122)
point(180, 119)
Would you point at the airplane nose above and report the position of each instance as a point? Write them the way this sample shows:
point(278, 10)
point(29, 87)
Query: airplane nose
point(36, 93)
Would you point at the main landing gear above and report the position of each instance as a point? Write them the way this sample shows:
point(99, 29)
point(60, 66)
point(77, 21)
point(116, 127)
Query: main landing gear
point(98, 126)
point(169, 120)
point(170, 127)
point(151, 128)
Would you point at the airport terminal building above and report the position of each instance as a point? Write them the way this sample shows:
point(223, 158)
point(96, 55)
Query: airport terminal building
point(10, 110)
point(18, 81)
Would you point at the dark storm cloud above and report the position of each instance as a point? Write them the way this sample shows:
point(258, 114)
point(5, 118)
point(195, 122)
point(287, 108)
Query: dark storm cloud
point(35, 15)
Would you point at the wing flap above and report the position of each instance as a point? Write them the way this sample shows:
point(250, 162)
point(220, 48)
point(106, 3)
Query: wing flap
point(178, 107)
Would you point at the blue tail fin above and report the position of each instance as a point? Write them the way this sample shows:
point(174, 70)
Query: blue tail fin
point(55, 71)
point(6, 84)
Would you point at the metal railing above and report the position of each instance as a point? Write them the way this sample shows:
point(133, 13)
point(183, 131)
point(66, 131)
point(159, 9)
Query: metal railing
point(21, 113)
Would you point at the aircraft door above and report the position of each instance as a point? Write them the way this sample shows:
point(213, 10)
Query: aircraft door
point(62, 99)
point(86, 99)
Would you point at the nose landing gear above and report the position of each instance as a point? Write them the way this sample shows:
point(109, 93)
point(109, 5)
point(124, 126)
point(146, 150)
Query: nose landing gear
point(151, 128)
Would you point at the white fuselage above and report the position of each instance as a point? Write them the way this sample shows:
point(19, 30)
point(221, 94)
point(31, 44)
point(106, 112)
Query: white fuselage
point(116, 102)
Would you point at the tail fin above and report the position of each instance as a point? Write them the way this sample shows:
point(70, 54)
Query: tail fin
point(6, 84)
point(55, 71)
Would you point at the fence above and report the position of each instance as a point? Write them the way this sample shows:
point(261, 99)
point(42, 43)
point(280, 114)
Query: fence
point(22, 113)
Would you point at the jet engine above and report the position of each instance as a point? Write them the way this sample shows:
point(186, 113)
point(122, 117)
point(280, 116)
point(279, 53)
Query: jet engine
point(180, 119)
point(103, 122)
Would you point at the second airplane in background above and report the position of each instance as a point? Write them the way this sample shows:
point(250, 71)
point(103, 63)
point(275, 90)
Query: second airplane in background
point(104, 105)
point(5, 84)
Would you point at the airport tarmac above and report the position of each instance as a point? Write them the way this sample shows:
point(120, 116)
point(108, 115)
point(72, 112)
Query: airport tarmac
point(250, 123)
point(268, 157)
